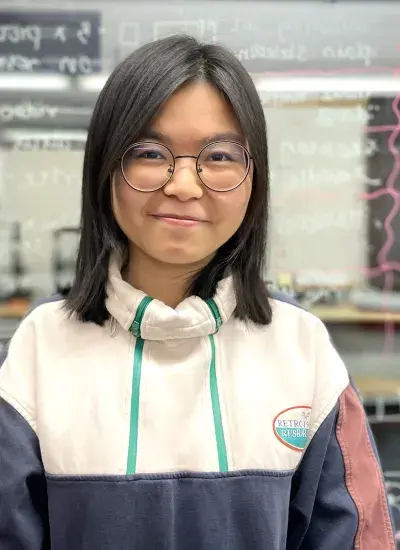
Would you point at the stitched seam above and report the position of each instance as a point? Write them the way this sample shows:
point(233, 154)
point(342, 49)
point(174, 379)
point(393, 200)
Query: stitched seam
point(348, 478)
point(19, 408)
point(325, 411)
point(382, 491)
point(62, 478)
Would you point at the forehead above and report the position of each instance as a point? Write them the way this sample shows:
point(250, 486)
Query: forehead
point(194, 111)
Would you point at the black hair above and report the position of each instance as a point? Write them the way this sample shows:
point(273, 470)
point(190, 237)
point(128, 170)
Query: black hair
point(131, 97)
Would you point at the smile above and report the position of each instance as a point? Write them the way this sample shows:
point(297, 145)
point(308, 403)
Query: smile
point(178, 221)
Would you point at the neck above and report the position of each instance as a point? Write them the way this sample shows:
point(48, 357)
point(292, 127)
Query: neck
point(165, 282)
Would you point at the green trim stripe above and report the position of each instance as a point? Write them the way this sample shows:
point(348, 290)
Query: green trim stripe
point(134, 426)
point(136, 378)
point(136, 324)
point(216, 405)
point(215, 312)
point(219, 430)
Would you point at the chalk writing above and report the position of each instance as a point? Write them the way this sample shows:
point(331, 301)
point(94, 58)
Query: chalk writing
point(336, 149)
point(200, 28)
point(310, 148)
point(19, 33)
point(66, 64)
point(311, 176)
point(290, 27)
point(66, 42)
point(347, 220)
point(373, 182)
point(353, 52)
point(20, 63)
point(36, 144)
point(276, 99)
point(293, 52)
point(27, 110)
point(84, 32)
point(76, 65)
point(330, 116)
point(54, 176)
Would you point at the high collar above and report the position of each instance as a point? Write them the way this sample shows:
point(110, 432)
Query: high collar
point(154, 320)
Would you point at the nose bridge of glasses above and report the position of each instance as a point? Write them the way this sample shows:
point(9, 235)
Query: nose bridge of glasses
point(183, 179)
point(190, 165)
point(186, 157)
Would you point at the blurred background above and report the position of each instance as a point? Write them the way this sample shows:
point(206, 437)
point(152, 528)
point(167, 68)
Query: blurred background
point(328, 73)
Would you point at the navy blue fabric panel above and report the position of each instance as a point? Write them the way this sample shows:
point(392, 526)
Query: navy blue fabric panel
point(23, 495)
point(322, 515)
point(237, 511)
point(3, 353)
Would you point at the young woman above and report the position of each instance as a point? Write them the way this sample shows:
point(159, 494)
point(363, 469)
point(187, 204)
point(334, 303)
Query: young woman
point(168, 403)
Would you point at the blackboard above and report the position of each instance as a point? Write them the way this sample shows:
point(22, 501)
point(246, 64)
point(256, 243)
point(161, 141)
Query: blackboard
point(309, 36)
point(383, 193)
point(50, 42)
point(296, 36)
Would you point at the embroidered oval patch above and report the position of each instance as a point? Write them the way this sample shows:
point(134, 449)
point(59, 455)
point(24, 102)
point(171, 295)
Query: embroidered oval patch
point(291, 427)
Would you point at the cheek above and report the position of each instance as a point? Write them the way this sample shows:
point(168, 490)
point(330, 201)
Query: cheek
point(232, 206)
point(127, 205)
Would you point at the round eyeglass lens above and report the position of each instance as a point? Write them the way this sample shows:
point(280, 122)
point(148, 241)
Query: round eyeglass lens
point(223, 165)
point(147, 166)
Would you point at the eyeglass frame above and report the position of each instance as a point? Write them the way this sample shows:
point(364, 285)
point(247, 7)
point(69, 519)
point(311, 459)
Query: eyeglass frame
point(188, 157)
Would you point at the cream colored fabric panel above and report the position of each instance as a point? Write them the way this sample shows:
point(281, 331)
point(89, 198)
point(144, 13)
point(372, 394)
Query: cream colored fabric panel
point(73, 384)
point(331, 376)
point(76, 382)
point(265, 371)
point(176, 428)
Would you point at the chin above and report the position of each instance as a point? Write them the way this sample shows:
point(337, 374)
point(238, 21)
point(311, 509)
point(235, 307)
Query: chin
point(182, 257)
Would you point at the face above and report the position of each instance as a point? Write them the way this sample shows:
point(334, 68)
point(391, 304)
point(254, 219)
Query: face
point(184, 222)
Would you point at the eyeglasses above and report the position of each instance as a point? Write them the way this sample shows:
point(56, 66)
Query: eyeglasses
point(221, 165)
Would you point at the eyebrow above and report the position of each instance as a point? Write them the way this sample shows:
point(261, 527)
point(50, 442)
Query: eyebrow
point(222, 136)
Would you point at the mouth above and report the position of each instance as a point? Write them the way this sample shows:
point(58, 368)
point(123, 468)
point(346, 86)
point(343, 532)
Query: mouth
point(175, 219)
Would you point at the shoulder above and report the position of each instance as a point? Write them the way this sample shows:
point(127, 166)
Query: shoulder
point(54, 328)
point(309, 337)
point(42, 320)
point(46, 336)
point(46, 330)
point(18, 372)
point(291, 322)
point(29, 319)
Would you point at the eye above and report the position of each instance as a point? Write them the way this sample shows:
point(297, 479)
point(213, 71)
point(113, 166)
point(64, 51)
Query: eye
point(148, 154)
point(219, 157)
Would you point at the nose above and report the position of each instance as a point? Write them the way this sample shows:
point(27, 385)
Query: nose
point(185, 183)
